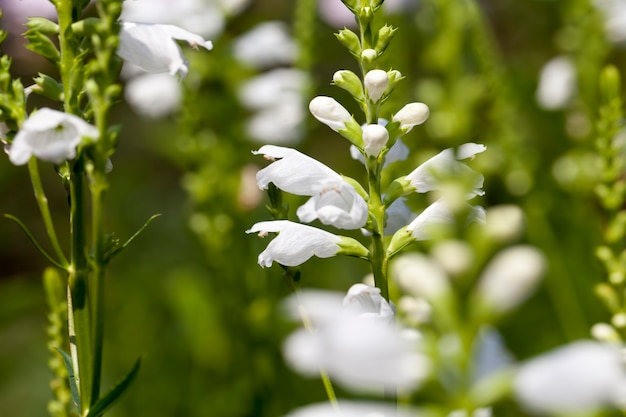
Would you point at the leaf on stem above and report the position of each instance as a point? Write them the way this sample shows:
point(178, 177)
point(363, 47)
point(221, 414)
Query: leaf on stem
point(104, 403)
point(34, 241)
point(67, 360)
point(118, 248)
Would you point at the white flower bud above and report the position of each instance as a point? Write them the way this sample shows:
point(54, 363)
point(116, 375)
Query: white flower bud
point(412, 114)
point(419, 276)
point(369, 55)
point(328, 111)
point(604, 332)
point(505, 223)
point(511, 277)
point(376, 82)
point(375, 138)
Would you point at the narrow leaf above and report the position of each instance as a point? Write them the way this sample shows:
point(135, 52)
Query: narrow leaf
point(34, 241)
point(120, 248)
point(104, 403)
point(67, 360)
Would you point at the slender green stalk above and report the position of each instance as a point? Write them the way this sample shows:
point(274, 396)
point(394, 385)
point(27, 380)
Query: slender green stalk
point(42, 201)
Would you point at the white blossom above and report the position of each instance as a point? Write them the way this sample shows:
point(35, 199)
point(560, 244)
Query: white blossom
point(614, 12)
point(50, 135)
point(328, 111)
point(557, 83)
point(153, 95)
point(438, 215)
point(398, 152)
point(580, 377)
point(352, 408)
point(375, 138)
point(425, 177)
point(510, 277)
point(268, 44)
point(505, 222)
point(359, 348)
point(419, 276)
point(153, 48)
point(376, 82)
point(333, 201)
point(410, 115)
point(295, 243)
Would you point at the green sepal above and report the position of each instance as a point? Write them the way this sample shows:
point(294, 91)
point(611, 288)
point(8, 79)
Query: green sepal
point(67, 360)
point(398, 188)
point(104, 403)
point(48, 87)
point(34, 241)
point(86, 27)
point(399, 241)
point(353, 133)
point(350, 82)
point(350, 40)
point(357, 186)
point(42, 45)
point(275, 206)
point(352, 247)
point(117, 248)
point(384, 37)
point(492, 388)
point(42, 25)
point(353, 5)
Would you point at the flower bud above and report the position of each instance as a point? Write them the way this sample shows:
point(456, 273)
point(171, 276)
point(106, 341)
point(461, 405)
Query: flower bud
point(376, 82)
point(604, 332)
point(385, 34)
point(505, 223)
point(350, 82)
point(350, 40)
point(412, 114)
point(369, 55)
point(374, 137)
point(328, 111)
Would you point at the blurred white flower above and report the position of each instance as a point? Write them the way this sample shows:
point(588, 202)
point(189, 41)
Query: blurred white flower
point(346, 408)
point(580, 377)
point(280, 124)
point(333, 201)
point(510, 277)
point(199, 16)
point(360, 347)
point(454, 255)
point(153, 48)
point(479, 412)
point(153, 95)
point(439, 215)
point(328, 111)
point(614, 12)
point(426, 177)
point(419, 276)
point(295, 243)
point(50, 135)
point(489, 354)
point(505, 222)
point(268, 44)
point(557, 83)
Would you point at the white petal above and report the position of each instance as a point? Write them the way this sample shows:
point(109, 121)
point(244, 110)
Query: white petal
point(295, 243)
point(557, 83)
point(153, 95)
point(420, 276)
point(412, 114)
point(336, 204)
point(268, 44)
point(328, 111)
point(437, 214)
point(354, 409)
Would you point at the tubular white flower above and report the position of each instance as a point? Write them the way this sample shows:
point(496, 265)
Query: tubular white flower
point(420, 276)
point(424, 177)
point(557, 83)
point(354, 409)
point(366, 301)
point(375, 138)
point(50, 135)
point(266, 45)
point(333, 201)
point(376, 82)
point(412, 114)
point(511, 277)
point(580, 377)
point(439, 215)
point(153, 95)
point(153, 48)
point(328, 111)
point(295, 243)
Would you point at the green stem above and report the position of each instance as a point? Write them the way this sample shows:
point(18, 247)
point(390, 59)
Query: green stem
point(42, 201)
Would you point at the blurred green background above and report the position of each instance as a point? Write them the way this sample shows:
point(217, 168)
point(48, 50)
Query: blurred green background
point(188, 296)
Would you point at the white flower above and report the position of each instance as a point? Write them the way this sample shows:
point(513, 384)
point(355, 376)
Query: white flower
point(557, 83)
point(376, 82)
point(580, 377)
point(50, 135)
point(359, 347)
point(153, 48)
point(333, 201)
point(410, 115)
point(614, 12)
point(280, 124)
point(295, 243)
point(505, 222)
point(425, 177)
point(266, 45)
point(398, 152)
point(420, 276)
point(346, 408)
point(510, 277)
point(439, 215)
point(375, 138)
point(153, 95)
point(328, 111)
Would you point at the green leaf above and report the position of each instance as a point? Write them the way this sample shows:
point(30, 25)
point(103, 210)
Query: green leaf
point(104, 403)
point(34, 241)
point(120, 248)
point(67, 360)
